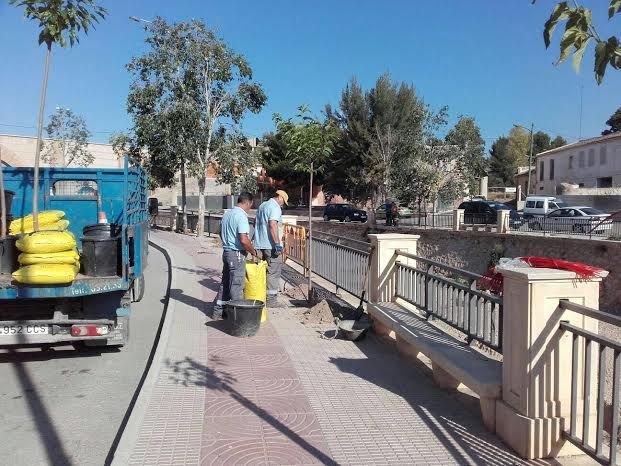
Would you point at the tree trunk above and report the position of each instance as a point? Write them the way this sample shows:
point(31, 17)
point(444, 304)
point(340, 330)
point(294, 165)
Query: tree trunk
point(35, 189)
point(200, 225)
point(184, 217)
point(310, 235)
point(3, 212)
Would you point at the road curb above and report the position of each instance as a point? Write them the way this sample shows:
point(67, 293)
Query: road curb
point(129, 435)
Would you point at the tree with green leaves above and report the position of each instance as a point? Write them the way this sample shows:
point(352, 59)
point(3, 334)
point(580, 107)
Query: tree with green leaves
point(614, 122)
point(501, 168)
point(60, 22)
point(68, 140)
point(580, 31)
point(309, 143)
point(191, 73)
point(278, 165)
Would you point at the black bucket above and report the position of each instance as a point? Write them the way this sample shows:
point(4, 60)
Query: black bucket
point(102, 230)
point(9, 219)
point(243, 317)
point(8, 255)
point(100, 256)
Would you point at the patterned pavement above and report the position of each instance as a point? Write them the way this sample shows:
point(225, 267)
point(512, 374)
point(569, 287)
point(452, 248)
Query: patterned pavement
point(289, 397)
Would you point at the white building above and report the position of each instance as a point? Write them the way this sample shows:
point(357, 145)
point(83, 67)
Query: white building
point(590, 163)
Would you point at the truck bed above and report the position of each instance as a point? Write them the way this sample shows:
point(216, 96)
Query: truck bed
point(82, 286)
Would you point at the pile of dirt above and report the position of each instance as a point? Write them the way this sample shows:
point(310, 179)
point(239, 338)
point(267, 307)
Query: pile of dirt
point(319, 314)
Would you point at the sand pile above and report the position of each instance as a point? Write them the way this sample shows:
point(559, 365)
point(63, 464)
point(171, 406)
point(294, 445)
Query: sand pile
point(319, 314)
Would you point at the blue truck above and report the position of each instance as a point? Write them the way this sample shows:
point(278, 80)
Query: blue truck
point(92, 310)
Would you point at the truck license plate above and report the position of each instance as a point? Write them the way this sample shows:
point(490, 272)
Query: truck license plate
point(24, 330)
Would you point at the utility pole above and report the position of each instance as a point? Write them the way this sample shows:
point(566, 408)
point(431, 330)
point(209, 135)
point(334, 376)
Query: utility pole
point(530, 156)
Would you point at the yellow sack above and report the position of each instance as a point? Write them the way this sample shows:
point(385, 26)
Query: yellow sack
point(45, 274)
point(46, 241)
point(64, 257)
point(256, 284)
point(60, 225)
point(21, 225)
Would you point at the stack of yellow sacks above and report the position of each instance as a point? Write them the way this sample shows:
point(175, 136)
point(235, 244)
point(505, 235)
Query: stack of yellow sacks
point(48, 256)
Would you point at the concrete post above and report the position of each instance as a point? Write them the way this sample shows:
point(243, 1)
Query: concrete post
point(502, 221)
point(483, 186)
point(173, 217)
point(537, 359)
point(382, 273)
point(458, 219)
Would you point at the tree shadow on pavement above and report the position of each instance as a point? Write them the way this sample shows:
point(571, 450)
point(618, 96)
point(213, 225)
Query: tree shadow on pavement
point(189, 372)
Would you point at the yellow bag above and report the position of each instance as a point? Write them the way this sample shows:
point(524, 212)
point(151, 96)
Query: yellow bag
point(45, 274)
point(64, 257)
point(60, 225)
point(23, 224)
point(46, 241)
point(256, 284)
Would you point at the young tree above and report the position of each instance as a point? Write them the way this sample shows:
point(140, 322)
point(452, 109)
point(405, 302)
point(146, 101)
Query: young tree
point(69, 140)
point(501, 168)
point(191, 72)
point(60, 22)
point(580, 32)
point(614, 122)
point(309, 142)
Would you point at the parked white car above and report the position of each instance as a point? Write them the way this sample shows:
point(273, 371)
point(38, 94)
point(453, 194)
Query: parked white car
point(573, 220)
point(541, 205)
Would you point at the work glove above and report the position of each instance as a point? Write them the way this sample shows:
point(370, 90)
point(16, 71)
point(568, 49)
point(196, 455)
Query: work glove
point(277, 251)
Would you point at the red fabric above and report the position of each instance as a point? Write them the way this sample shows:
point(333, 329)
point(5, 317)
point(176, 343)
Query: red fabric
point(582, 270)
point(492, 281)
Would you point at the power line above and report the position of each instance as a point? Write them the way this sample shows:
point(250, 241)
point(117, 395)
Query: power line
point(8, 125)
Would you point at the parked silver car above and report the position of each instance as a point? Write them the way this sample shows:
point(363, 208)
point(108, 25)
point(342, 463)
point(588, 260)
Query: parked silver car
point(573, 220)
point(404, 212)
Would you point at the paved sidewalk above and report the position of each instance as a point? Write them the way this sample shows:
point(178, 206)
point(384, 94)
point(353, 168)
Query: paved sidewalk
point(287, 396)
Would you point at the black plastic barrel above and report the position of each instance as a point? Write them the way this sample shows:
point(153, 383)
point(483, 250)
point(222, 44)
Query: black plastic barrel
point(8, 255)
point(100, 256)
point(102, 230)
point(243, 317)
point(101, 250)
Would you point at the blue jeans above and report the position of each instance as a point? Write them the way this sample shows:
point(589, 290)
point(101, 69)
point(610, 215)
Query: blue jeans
point(233, 277)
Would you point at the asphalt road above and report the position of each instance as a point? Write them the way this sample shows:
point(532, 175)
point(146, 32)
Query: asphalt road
point(64, 407)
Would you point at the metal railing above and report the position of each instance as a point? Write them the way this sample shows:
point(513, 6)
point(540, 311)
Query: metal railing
point(344, 266)
point(590, 381)
point(449, 294)
point(429, 220)
point(584, 227)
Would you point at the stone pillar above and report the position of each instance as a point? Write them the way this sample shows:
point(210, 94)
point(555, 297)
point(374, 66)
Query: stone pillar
point(537, 358)
point(502, 221)
point(458, 219)
point(382, 273)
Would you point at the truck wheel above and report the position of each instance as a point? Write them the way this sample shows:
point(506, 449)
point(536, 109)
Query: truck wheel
point(138, 289)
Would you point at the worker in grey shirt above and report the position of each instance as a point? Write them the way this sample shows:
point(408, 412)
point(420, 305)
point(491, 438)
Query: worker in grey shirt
point(268, 240)
point(236, 245)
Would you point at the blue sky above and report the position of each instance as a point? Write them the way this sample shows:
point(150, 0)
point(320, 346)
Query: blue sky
point(482, 58)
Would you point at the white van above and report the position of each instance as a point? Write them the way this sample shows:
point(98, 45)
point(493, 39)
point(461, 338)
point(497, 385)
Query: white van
point(541, 205)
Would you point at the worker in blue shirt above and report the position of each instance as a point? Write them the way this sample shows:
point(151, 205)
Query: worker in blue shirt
point(268, 241)
point(236, 244)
